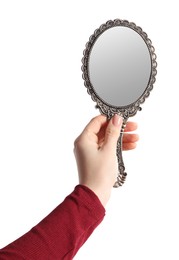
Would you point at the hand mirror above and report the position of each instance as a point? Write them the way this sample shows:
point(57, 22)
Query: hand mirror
point(119, 69)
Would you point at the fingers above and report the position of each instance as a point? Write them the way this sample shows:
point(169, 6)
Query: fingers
point(104, 132)
point(96, 124)
point(112, 132)
point(129, 141)
point(130, 126)
point(130, 138)
point(128, 146)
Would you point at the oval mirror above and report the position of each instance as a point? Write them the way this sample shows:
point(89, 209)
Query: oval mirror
point(119, 69)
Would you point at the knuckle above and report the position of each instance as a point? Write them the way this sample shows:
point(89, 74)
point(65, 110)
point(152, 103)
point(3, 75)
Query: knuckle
point(78, 143)
point(110, 132)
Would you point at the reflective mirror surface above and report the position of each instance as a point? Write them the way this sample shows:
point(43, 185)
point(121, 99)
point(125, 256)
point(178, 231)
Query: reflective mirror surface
point(119, 66)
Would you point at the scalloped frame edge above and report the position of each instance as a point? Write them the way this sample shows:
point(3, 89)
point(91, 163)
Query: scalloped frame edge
point(131, 109)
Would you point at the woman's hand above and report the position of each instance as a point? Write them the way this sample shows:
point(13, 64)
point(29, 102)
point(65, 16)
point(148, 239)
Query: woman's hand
point(95, 152)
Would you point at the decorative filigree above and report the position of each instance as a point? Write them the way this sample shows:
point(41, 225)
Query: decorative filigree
point(109, 110)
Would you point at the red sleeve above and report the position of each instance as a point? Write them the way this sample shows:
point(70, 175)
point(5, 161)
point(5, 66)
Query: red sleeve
point(62, 232)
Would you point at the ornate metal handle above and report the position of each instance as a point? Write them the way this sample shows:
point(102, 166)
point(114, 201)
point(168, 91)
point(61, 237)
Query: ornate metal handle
point(121, 168)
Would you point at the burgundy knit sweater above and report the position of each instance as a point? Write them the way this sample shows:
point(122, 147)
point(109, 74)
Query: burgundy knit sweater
point(62, 232)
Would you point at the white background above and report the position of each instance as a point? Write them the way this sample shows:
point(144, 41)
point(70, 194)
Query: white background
point(44, 106)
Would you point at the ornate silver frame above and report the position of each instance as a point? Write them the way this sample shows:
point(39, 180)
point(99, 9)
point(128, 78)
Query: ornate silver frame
point(124, 111)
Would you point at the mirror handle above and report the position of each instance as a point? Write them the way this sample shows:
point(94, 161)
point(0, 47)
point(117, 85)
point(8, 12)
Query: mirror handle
point(121, 168)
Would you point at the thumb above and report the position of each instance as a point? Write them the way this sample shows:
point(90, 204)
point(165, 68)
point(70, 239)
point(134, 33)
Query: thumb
point(113, 131)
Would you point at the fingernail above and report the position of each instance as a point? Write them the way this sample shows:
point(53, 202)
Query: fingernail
point(117, 120)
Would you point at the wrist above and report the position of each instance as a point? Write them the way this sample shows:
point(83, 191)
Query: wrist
point(103, 196)
point(103, 193)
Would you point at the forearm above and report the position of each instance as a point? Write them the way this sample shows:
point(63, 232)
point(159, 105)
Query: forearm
point(62, 232)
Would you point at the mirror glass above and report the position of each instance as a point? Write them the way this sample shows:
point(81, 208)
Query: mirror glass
point(119, 66)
